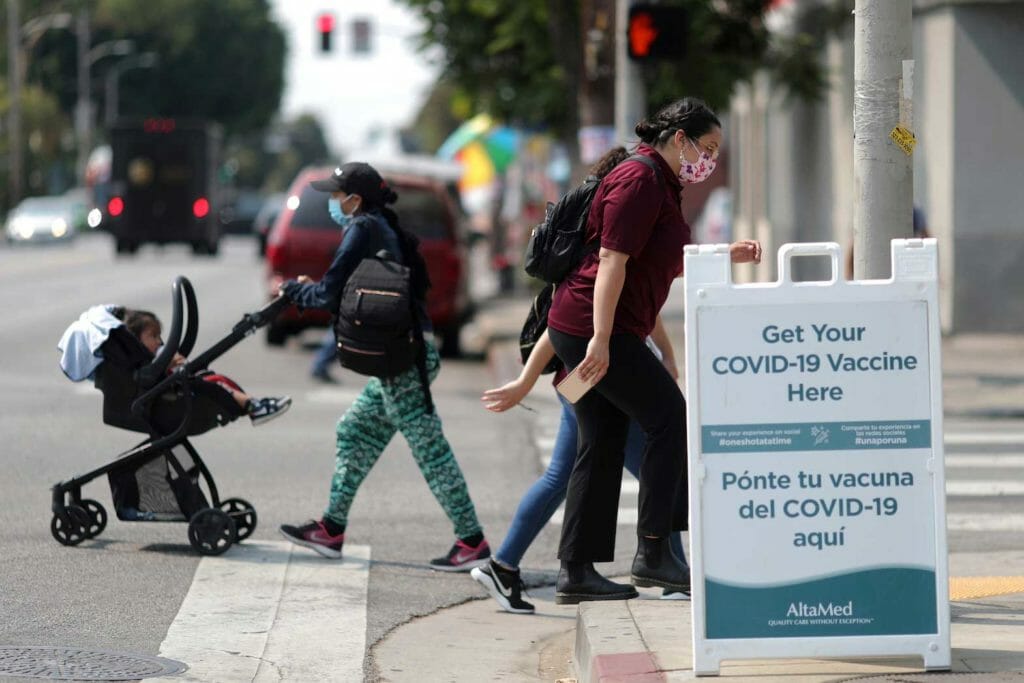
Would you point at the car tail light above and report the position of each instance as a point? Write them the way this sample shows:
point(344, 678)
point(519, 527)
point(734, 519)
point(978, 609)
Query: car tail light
point(200, 207)
point(115, 207)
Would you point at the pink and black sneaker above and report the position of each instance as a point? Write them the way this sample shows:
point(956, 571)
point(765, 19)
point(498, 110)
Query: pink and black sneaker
point(314, 535)
point(463, 557)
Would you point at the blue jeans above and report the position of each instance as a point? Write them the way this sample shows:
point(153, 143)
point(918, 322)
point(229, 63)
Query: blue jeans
point(325, 354)
point(542, 499)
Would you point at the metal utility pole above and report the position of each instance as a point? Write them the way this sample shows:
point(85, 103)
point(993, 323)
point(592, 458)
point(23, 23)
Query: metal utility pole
point(883, 171)
point(83, 108)
point(16, 166)
point(596, 85)
point(629, 86)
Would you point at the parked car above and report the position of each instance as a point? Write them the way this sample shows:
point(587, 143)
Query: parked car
point(304, 238)
point(41, 219)
point(240, 211)
point(264, 220)
point(79, 202)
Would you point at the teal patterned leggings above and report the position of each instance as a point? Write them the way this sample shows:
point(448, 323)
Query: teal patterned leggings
point(398, 405)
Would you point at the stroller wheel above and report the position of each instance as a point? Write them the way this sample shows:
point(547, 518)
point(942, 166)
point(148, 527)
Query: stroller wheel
point(70, 529)
point(211, 531)
point(97, 517)
point(244, 515)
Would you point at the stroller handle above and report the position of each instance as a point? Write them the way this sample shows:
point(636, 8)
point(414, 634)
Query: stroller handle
point(181, 291)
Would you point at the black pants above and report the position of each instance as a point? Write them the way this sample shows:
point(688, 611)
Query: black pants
point(637, 386)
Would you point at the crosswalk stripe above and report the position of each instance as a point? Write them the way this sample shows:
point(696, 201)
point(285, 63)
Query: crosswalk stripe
point(954, 521)
point(984, 488)
point(985, 460)
point(966, 521)
point(631, 486)
point(262, 612)
point(989, 438)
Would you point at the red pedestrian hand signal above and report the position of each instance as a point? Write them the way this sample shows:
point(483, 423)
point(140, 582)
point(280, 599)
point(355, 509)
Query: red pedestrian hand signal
point(642, 34)
point(657, 32)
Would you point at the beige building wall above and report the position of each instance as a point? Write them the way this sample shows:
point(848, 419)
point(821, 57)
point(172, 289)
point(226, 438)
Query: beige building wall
point(795, 173)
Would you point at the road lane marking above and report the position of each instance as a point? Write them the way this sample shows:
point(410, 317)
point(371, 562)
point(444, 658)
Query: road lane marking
point(269, 611)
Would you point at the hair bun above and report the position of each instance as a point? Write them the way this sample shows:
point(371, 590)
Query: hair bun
point(644, 130)
point(388, 196)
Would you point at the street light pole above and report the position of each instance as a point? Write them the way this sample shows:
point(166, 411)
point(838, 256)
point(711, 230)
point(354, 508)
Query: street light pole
point(15, 167)
point(629, 85)
point(883, 173)
point(20, 38)
point(146, 60)
point(83, 109)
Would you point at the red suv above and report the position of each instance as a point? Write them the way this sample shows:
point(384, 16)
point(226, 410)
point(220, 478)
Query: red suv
point(303, 240)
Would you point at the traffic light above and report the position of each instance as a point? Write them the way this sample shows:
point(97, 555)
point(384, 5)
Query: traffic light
point(361, 44)
point(325, 26)
point(656, 32)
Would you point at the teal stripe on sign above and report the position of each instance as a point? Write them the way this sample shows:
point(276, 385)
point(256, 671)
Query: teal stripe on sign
point(882, 601)
point(816, 436)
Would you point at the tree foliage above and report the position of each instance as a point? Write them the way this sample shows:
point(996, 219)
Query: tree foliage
point(520, 59)
point(500, 55)
point(221, 60)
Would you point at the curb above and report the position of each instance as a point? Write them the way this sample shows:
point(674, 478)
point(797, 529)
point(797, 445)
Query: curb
point(609, 647)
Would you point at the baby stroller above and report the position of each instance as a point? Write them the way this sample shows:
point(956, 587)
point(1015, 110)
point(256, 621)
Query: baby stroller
point(163, 478)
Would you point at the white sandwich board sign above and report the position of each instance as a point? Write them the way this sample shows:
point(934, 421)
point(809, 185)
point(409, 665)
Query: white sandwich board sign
point(817, 487)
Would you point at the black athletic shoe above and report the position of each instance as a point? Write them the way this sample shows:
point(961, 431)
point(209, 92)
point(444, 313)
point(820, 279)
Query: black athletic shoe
point(266, 409)
point(667, 594)
point(462, 557)
point(315, 536)
point(504, 585)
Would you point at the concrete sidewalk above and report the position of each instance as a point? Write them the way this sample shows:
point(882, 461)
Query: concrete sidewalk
point(650, 640)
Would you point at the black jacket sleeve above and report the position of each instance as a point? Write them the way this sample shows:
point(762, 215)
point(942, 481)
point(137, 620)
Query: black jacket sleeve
point(326, 294)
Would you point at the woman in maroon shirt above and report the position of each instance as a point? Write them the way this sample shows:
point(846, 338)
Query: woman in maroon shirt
point(598, 321)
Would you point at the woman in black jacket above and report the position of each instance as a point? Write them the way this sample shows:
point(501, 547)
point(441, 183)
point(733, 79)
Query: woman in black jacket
point(359, 203)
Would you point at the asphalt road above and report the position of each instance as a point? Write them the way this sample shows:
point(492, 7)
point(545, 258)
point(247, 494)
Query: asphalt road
point(122, 590)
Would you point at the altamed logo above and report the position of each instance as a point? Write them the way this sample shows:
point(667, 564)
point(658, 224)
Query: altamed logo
point(831, 609)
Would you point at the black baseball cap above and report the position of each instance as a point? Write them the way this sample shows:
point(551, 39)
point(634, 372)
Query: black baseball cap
point(355, 177)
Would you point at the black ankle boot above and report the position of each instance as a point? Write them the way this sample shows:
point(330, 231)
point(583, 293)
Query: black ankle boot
point(656, 565)
point(579, 582)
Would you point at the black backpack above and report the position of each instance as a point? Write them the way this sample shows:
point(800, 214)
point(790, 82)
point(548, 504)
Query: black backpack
point(376, 328)
point(556, 246)
point(533, 328)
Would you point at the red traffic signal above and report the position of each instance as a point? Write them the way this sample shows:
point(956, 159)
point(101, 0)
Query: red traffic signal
point(325, 27)
point(656, 32)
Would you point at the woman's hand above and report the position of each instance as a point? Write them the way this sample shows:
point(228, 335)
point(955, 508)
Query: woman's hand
point(307, 280)
point(595, 364)
point(501, 399)
point(745, 251)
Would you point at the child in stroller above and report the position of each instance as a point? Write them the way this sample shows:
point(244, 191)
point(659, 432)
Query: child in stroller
point(163, 478)
point(147, 328)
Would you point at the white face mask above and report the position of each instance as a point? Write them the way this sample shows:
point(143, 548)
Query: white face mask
point(697, 171)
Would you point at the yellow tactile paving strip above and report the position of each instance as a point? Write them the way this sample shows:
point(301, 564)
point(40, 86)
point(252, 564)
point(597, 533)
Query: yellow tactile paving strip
point(968, 587)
